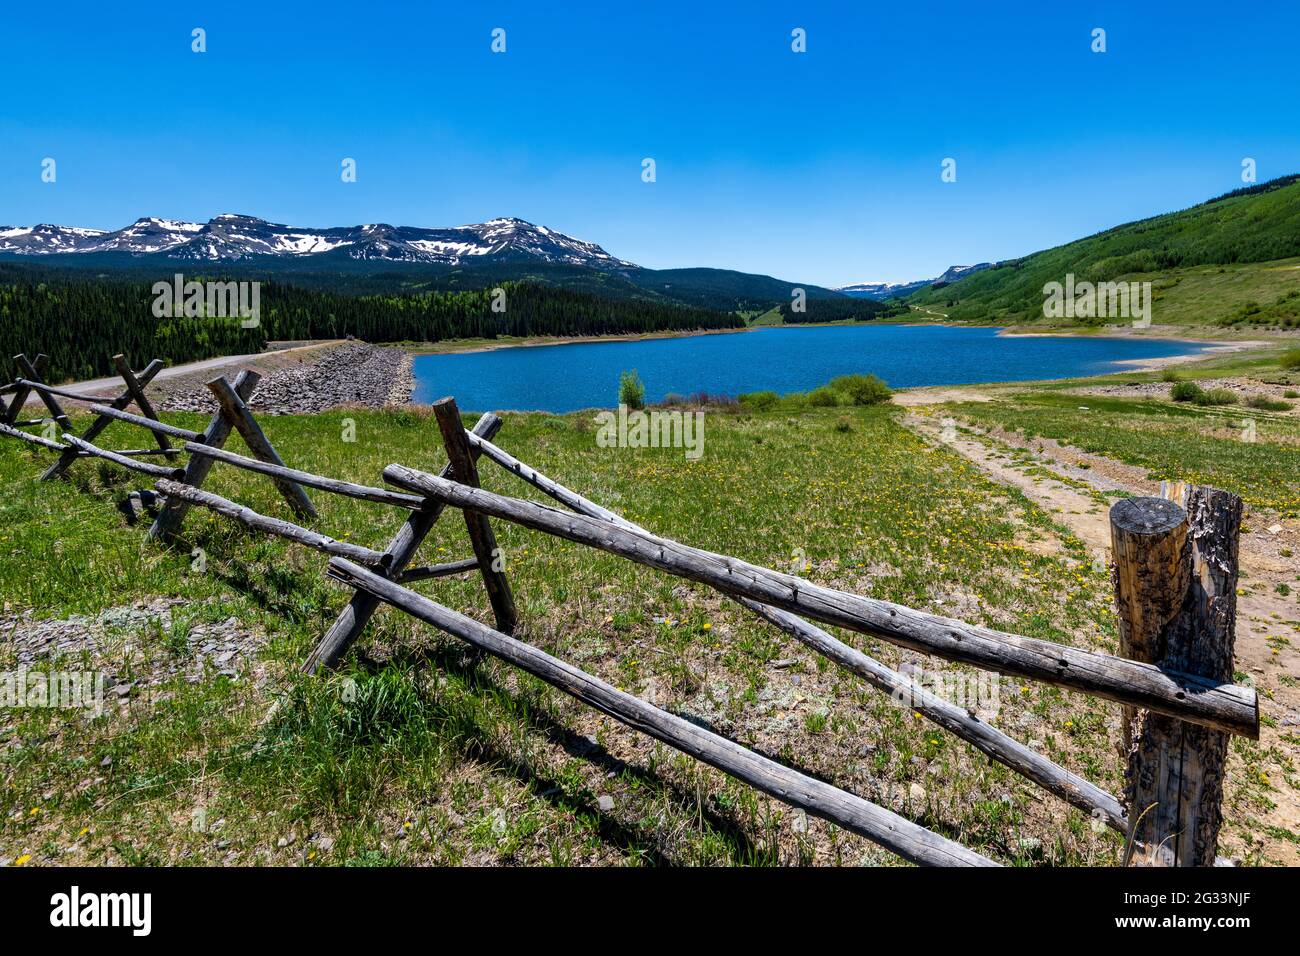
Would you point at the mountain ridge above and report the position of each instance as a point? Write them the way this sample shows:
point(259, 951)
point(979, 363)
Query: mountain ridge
point(894, 290)
point(1256, 224)
point(231, 237)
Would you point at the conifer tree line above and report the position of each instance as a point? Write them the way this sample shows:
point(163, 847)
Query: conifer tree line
point(841, 309)
point(80, 323)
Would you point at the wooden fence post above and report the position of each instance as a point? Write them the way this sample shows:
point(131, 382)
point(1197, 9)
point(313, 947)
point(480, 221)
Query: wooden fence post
point(32, 371)
point(401, 550)
point(481, 537)
point(138, 394)
point(237, 413)
point(120, 403)
point(20, 392)
point(1175, 590)
point(173, 512)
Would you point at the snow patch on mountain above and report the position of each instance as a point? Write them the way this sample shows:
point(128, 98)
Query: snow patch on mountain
point(231, 236)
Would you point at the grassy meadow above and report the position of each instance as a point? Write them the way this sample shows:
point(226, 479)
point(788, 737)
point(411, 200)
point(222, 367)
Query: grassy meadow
point(419, 753)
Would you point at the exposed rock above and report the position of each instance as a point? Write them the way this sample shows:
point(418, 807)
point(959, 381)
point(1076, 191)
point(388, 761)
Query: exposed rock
point(354, 373)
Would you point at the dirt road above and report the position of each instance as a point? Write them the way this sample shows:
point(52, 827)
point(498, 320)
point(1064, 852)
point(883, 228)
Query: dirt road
point(1262, 804)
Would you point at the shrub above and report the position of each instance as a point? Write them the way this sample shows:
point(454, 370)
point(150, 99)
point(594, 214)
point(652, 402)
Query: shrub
point(824, 397)
point(1290, 359)
point(759, 401)
point(861, 389)
point(1291, 393)
point(1186, 392)
point(845, 424)
point(1268, 404)
point(1217, 396)
point(1169, 375)
point(631, 390)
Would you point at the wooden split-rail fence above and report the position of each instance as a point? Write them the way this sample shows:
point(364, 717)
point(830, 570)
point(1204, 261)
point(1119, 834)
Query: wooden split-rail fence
point(1175, 571)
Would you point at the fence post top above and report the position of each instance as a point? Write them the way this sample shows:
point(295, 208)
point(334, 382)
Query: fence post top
point(1152, 516)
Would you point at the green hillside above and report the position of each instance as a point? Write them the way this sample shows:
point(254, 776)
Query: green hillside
point(1212, 264)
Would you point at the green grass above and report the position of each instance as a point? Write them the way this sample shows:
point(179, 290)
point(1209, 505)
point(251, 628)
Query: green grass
point(1203, 445)
point(1231, 261)
point(419, 752)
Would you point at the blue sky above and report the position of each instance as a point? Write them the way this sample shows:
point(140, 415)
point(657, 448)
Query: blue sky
point(818, 167)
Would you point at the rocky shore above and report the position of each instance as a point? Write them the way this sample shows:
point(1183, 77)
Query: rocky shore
point(353, 373)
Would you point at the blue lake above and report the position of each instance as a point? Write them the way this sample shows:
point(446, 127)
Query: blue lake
point(564, 378)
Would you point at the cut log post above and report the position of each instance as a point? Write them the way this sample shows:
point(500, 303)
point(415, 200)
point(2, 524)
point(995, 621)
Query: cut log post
point(1200, 700)
point(50, 401)
point(233, 407)
point(820, 799)
point(169, 520)
point(141, 399)
point(481, 537)
point(1176, 593)
point(102, 422)
point(401, 550)
point(143, 467)
point(275, 526)
point(1149, 550)
point(18, 390)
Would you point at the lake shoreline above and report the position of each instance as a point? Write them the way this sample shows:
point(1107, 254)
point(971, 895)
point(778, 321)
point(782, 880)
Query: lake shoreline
point(784, 362)
point(1193, 336)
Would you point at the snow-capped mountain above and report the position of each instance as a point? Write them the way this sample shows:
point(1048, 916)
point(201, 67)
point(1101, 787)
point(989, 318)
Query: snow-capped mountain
point(45, 239)
point(892, 290)
point(882, 290)
point(232, 237)
point(960, 272)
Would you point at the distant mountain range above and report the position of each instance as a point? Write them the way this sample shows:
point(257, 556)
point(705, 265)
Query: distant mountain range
point(381, 258)
point(231, 238)
point(498, 246)
point(895, 290)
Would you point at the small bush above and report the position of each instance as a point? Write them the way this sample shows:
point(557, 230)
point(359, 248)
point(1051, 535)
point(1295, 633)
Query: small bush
point(1218, 396)
point(1268, 404)
point(1186, 392)
point(861, 389)
point(824, 397)
point(1290, 359)
point(631, 390)
point(845, 424)
point(1169, 375)
point(1291, 393)
point(759, 401)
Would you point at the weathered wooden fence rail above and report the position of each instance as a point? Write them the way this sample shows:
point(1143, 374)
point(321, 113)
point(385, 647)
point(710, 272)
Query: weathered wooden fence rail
point(888, 829)
point(231, 413)
point(1200, 700)
point(1175, 591)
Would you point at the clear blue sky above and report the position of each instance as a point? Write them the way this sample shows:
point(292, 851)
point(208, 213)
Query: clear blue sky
point(819, 167)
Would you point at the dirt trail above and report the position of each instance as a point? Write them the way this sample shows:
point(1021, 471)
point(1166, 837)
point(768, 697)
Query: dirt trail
point(1076, 489)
